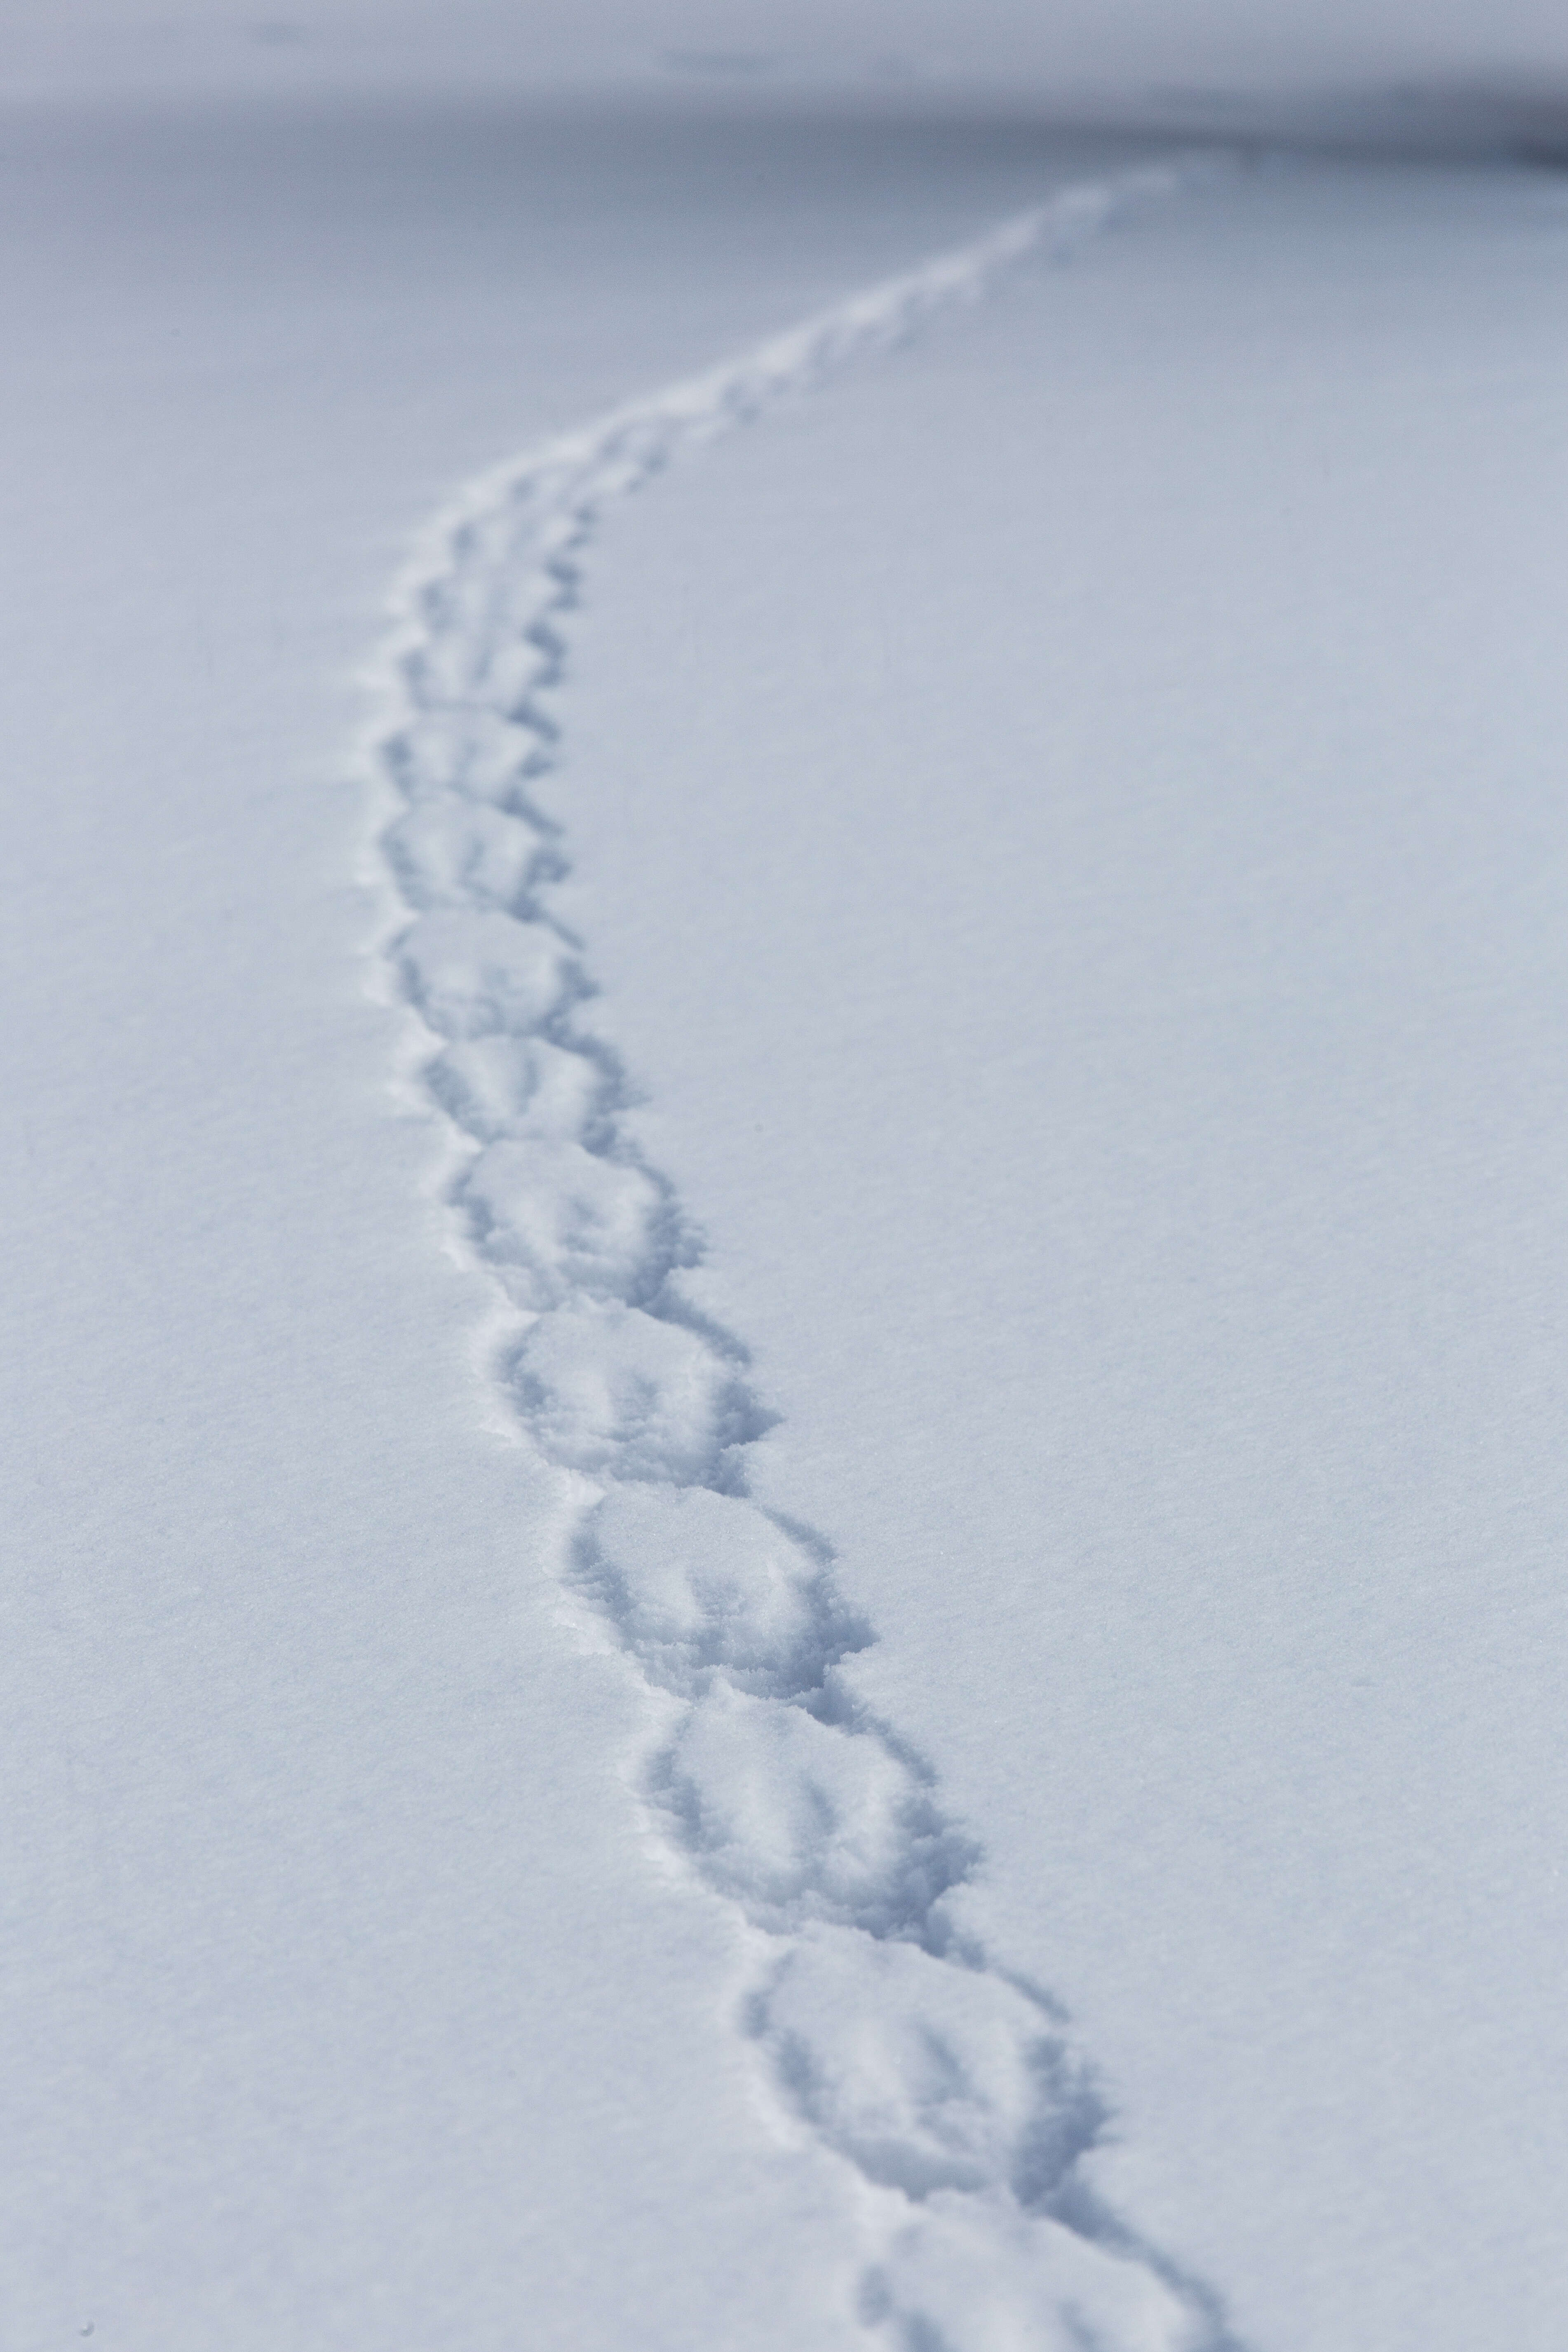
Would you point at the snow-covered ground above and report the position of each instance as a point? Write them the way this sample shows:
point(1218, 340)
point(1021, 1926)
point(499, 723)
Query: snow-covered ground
point(858, 1640)
point(1098, 961)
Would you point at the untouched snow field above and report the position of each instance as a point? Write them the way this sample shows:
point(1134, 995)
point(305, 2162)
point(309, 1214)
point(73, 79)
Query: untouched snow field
point(1024, 888)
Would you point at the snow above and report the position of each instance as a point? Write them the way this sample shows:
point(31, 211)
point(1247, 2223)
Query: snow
point(1406, 68)
point(883, 2026)
point(844, 1629)
point(341, 1994)
point(1097, 961)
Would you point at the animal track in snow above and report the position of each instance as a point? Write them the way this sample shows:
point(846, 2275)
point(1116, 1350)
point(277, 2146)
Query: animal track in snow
point(953, 2090)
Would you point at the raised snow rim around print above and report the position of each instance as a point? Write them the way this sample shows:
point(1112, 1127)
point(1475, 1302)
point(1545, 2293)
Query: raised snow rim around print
point(951, 2087)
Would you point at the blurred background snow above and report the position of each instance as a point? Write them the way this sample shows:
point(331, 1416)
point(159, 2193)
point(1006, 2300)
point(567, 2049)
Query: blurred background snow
point(1408, 70)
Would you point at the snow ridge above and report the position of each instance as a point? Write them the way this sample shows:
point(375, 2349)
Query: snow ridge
point(949, 2085)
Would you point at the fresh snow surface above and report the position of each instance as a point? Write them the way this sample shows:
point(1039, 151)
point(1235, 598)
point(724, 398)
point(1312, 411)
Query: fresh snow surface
point(941, 2076)
point(1072, 836)
point(1025, 887)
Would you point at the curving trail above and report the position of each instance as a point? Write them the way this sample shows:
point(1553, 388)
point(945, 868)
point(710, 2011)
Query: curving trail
point(950, 2088)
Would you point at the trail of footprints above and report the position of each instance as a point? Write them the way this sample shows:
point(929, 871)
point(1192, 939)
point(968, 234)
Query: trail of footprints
point(950, 2088)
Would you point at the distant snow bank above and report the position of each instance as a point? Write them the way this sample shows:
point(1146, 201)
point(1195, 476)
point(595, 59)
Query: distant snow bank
point(1388, 72)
